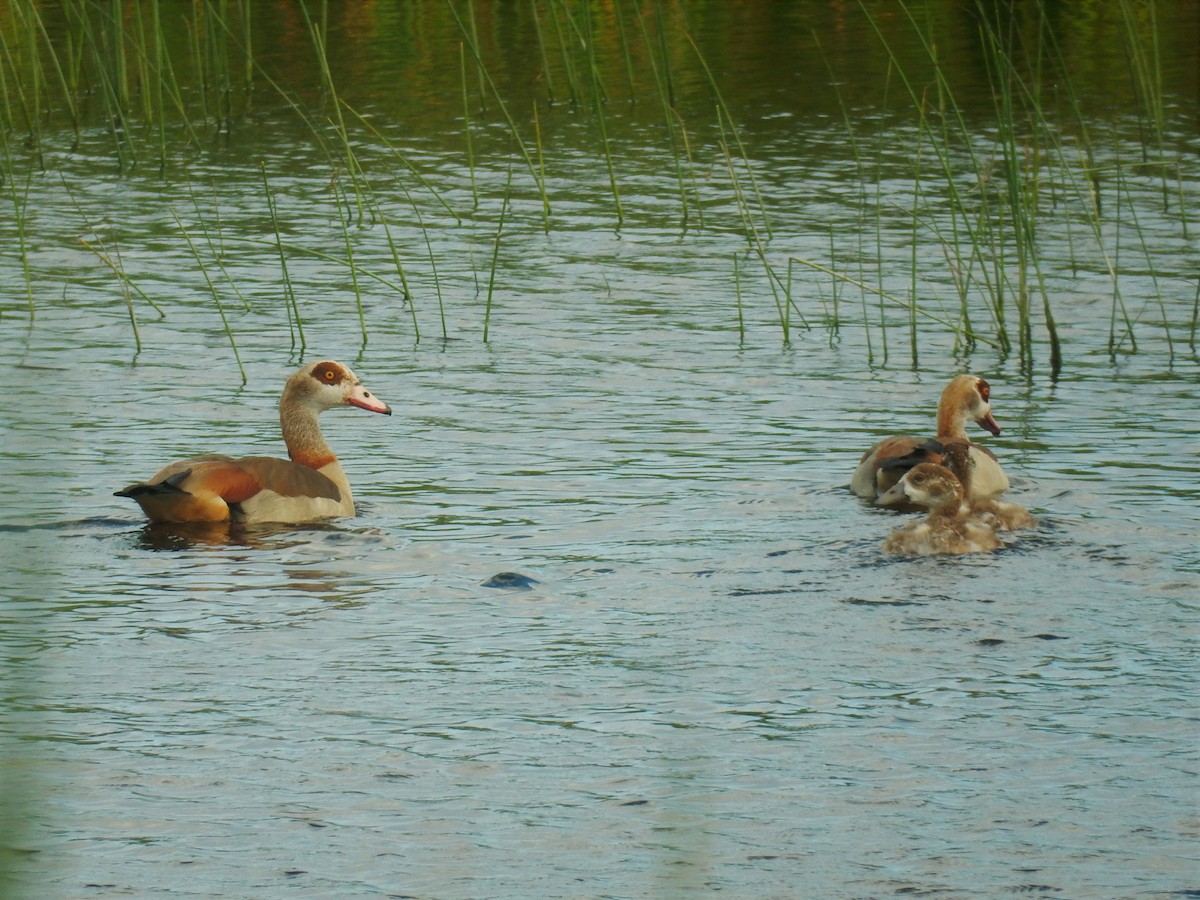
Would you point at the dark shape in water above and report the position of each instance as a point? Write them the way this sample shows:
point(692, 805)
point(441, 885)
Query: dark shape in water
point(513, 581)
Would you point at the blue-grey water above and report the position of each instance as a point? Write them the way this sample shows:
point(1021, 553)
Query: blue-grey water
point(608, 623)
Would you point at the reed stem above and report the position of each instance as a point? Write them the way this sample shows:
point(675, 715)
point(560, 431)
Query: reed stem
point(487, 313)
point(216, 295)
point(295, 323)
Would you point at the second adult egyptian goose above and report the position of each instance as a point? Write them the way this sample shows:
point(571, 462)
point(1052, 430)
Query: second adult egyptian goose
point(965, 398)
point(310, 485)
point(950, 529)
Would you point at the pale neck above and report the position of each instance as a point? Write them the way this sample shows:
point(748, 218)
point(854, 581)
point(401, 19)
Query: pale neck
point(305, 443)
point(952, 423)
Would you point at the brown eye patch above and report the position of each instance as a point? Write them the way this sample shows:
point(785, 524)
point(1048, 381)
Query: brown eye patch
point(328, 372)
point(985, 390)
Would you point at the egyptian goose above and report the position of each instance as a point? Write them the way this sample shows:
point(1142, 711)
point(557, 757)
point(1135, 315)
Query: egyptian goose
point(965, 398)
point(950, 528)
point(1000, 514)
point(261, 488)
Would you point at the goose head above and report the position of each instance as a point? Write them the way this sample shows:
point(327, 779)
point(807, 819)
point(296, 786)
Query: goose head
point(966, 397)
point(328, 384)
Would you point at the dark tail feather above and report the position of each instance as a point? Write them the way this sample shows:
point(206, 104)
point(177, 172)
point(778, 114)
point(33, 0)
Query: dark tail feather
point(169, 485)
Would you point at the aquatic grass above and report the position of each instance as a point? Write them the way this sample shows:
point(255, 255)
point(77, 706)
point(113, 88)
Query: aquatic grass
point(20, 205)
point(835, 322)
point(217, 30)
point(949, 113)
point(568, 59)
point(295, 322)
point(105, 42)
point(470, 148)
point(784, 303)
point(989, 248)
point(1145, 67)
point(128, 288)
point(1195, 322)
point(1024, 196)
point(626, 54)
point(112, 260)
point(341, 203)
point(859, 168)
point(407, 295)
point(317, 33)
point(406, 162)
point(216, 295)
point(486, 77)
point(599, 98)
point(133, 66)
point(915, 308)
point(723, 112)
point(737, 293)
point(349, 264)
point(31, 31)
point(487, 312)
point(1123, 186)
point(214, 245)
point(676, 129)
point(546, 74)
point(914, 346)
point(432, 257)
point(383, 217)
point(152, 58)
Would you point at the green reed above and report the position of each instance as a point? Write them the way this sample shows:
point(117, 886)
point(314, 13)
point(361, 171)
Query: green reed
point(127, 62)
point(1148, 254)
point(487, 313)
point(676, 130)
point(540, 33)
point(470, 148)
point(599, 98)
point(32, 67)
point(486, 78)
point(408, 165)
point(216, 294)
point(737, 293)
point(1003, 262)
point(341, 201)
point(428, 186)
point(396, 261)
point(215, 243)
point(109, 253)
point(318, 30)
point(20, 205)
point(128, 288)
point(295, 322)
point(1195, 321)
point(557, 12)
point(722, 110)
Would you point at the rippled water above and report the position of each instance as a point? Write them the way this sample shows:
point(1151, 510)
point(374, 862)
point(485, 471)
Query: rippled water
point(609, 622)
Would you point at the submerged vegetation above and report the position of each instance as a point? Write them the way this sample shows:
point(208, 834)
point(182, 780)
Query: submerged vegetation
point(970, 206)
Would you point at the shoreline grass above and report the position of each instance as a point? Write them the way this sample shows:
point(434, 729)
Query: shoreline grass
point(981, 199)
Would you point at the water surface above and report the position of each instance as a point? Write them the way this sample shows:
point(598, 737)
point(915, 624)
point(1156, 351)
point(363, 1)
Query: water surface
point(608, 622)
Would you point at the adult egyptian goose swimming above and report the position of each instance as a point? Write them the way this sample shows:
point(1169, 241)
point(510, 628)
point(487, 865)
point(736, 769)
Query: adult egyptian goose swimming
point(310, 486)
point(965, 398)
point(950, 529)
point(1002, 515)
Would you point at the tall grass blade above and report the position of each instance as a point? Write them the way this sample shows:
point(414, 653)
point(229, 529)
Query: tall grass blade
point(295, 322)
point(216, 295)
point(487, 313)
